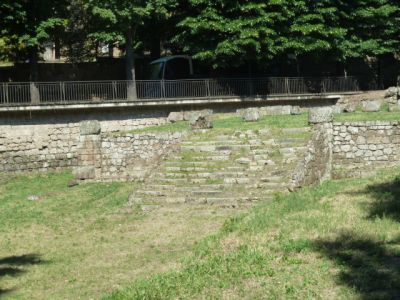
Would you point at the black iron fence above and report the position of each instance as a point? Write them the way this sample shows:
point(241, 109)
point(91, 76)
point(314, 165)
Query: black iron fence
point(69, 92)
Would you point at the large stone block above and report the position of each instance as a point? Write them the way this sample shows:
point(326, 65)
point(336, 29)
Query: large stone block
point(174, 117)
point(91, 127)
point(84, 173)
point(201, 120)
point(371, 105)
point(395, 106)
point(251, 114)
point(392, 92)
point(188, 115)
point(322, 114)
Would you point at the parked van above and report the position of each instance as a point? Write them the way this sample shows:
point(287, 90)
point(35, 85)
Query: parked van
point(172, 68)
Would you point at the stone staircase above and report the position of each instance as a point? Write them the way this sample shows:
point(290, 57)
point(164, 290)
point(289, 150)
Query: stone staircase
point(226, 169)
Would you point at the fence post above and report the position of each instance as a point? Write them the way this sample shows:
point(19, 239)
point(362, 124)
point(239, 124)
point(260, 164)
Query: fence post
point(34, 93)
point(208, 92)
point(114, 90)
point(287, 85)
point(132, 92)
point(5, 92)
point(62, 91)
point(163, 89)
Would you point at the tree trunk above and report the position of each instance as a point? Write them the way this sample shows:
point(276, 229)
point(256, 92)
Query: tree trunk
point(34, 75)
point(33, 64)
point(57, 48)
point(155, 51)
point(130, 65)
point(110, 50)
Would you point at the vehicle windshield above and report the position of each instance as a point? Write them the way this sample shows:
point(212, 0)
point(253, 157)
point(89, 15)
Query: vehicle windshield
point(156, 71)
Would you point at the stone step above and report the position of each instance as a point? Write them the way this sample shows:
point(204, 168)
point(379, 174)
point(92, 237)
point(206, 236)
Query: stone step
point(272, 178)
point(199, 186)
point(198, 148)
point(204, 158)
point(213, 143)
point(190, 163)
point(226, 170)
point(272, 185)
point(177, 192)
point(291, 150)
point(296, 130)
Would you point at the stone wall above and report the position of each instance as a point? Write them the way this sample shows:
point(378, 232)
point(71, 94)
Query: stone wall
point(346, 149)
point(42, 148)
point(360, 148)
point(316, 165)
point(134, 156)
point(49, 142)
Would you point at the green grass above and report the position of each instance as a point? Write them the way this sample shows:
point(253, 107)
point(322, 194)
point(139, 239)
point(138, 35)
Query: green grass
point(230, 122)
point(171, 127)
point(80, 242)
point(339, 240)
point(367, 116)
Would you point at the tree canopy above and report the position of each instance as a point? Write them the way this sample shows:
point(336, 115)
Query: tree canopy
point(219, 32)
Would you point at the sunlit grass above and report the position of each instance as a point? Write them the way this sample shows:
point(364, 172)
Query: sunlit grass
point(231, 122)
point(339, 240)
point(60, 242)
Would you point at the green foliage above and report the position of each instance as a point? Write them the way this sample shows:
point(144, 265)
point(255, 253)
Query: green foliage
point(234, 32)
point(26, 25)
point(222, 32)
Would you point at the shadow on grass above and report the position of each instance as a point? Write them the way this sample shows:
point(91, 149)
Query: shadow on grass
point(13, 266)
point(370, 267)
point(387, 196)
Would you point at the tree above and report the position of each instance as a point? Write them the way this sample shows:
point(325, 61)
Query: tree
point(315, 29)
point(26, 24)
point(373, 27)
point(232, 32)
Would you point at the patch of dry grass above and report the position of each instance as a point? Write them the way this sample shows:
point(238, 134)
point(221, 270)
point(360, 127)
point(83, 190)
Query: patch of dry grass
point(85, 244)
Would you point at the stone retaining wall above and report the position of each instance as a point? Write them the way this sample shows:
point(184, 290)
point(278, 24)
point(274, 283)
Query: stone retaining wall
point(134, 156)
point(41, 143)
point(362, 147)
point(346, 149)
point(27, 148)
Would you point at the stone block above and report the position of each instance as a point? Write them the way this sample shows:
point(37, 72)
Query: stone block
point(395, 106)
point(392, 92)
point(251, 114)
point(371, 105)
point(188, 115)
point(84, 173)
point(90, 127)
point(349, 108)
point(295, 110)
point(201, 120)
point(322, 114)
point(174, 117)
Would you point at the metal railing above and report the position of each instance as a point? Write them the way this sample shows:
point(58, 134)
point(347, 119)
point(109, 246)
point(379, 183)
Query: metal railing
point(70, 92)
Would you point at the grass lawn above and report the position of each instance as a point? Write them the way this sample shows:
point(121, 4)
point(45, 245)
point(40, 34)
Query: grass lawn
point(368, 116)
point(80, 242)
point(340, 240)
point(231, 122)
